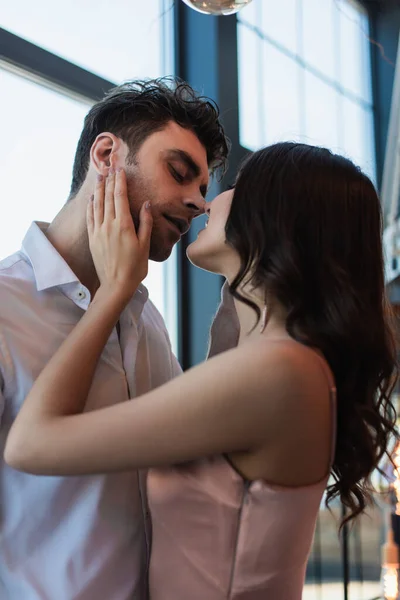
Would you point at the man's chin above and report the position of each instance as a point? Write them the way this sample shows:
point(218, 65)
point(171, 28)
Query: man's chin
point(162, 244)
point(160, 254)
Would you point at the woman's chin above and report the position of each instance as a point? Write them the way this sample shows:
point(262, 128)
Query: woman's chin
point(194, 254)
point(198, 256)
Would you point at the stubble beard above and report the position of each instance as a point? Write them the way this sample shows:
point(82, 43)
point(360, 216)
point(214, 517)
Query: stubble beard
point(139, 192)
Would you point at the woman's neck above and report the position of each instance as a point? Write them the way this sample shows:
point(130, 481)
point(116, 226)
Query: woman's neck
point(275, 321)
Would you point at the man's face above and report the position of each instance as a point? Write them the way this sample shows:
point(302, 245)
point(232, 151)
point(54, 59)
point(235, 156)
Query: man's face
point(170, 171)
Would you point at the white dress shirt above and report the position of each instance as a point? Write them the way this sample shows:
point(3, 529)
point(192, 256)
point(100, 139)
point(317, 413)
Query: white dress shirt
point(71, 538)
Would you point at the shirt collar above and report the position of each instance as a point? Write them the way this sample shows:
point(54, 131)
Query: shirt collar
point(48, 265)
point(51, 270)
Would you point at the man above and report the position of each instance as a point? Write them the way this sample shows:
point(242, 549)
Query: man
point(85, 538)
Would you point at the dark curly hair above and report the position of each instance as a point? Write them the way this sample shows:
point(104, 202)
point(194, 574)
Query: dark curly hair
point(307, 224)
point(136, 109)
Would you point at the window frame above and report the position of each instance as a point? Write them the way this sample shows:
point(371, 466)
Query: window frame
point(29, 60)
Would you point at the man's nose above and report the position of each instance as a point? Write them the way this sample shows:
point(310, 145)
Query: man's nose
point(196, 205)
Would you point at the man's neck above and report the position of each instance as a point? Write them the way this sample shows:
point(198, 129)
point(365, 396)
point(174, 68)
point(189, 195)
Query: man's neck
point(68, 234)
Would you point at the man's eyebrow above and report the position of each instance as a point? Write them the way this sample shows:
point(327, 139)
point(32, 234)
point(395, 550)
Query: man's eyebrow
point(187, 159)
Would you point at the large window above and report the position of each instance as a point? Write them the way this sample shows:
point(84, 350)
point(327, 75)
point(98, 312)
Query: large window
point(361, 558)
point(41, 123)
point(40, 129)
point(304, 74)
point(117, 39)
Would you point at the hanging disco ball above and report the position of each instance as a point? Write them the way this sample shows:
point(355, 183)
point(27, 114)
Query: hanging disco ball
point(217, 7)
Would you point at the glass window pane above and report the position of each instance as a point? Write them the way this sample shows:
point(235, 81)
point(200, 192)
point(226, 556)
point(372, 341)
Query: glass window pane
point(35, 170)
point(279, 21)
point(322, 127)
point(324, 579)
point(103, 36)
point(355, 65)
point(250, 82)
point(358, 135)
point(279, 99)
point(331, 555)
point(281, 96)
point(250, 14)
point(365, 539)
point(319, 35)
point(38, 155)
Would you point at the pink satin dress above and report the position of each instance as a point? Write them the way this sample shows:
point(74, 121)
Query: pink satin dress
point(217, 536)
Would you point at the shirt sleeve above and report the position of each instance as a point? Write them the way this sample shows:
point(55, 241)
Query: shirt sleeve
point(2, 401)
point(175, 366)
point(2, 385)
point(225, 329)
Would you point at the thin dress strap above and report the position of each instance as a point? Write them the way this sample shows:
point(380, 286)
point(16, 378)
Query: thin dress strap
point(333, 400)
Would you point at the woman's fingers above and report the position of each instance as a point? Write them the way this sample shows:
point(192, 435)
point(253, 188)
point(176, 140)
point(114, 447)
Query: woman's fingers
point(109, 206)
point(90, 216)
point(98, 209)
point(111, 198)
point(120, 255)
point(145, 227)
point(122, 209)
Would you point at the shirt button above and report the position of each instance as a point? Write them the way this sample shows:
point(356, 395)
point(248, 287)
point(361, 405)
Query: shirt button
point(81, 295)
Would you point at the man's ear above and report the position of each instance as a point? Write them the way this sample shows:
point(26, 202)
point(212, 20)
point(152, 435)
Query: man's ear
point(103, 152)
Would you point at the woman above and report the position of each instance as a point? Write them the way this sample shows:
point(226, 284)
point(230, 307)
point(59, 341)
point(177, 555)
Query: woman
point(255, 432)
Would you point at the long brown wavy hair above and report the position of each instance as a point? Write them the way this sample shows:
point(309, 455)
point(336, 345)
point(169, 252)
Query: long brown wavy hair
point(307, 224)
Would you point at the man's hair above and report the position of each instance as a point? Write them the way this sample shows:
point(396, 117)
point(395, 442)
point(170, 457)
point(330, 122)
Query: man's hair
point(136, 109)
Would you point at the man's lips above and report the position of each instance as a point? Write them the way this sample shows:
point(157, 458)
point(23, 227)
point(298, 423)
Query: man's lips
point(181, 224)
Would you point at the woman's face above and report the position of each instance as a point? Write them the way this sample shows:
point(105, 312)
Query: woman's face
point(210, 251)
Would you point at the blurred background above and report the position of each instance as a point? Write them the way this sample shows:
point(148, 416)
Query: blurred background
point(320, 71)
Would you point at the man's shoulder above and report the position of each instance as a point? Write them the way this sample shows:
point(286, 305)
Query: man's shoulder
point(159, 338)
point(16, 276)
point(152, 314)
point(11, 264)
